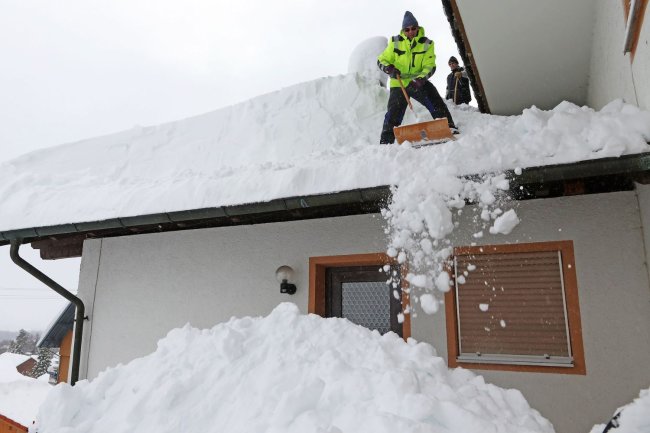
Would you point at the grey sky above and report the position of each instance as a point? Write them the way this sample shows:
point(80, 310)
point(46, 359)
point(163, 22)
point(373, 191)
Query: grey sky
point(76, 69)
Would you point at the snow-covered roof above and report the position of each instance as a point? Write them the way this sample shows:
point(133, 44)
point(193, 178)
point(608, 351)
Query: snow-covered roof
point(317, 137)
point(58, 328)
point(515, 50)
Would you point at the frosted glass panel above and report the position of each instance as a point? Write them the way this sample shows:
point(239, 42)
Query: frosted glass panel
point(367, 304)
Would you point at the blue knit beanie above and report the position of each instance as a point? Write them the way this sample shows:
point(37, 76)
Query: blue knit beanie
point(409, 20)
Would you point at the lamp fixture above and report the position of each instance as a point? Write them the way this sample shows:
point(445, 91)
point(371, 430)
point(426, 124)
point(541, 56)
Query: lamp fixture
point(284, 274)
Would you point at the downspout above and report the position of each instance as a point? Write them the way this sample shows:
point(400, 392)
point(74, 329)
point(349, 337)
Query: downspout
point(80, 316)
point(630, 28)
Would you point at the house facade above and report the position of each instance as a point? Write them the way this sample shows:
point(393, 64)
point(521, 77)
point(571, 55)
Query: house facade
point(579, 253)
point(136, 288)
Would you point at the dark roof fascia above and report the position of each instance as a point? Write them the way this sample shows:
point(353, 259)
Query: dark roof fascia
point(585, 177)
point(57, 330)
point(465, 51)
point(358, 201)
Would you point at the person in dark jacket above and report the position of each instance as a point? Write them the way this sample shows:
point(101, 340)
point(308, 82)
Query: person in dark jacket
point(410, 56)
point(458, 83)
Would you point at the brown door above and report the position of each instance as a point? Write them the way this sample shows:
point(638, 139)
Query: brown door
point(362, 295)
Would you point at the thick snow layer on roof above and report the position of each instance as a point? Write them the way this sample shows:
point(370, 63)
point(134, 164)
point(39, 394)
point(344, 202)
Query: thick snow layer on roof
point(8, 364)
point(287, 372)
point(316, 137)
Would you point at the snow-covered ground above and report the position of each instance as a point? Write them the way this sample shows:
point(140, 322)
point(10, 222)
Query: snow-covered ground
point(20, 396)
point(287, 372)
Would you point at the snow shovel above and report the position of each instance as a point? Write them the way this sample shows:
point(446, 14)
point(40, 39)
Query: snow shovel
point(432, 131)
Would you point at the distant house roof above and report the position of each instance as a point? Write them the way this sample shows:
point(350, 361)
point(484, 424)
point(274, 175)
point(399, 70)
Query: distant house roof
point(58, 328)
point(12, 359)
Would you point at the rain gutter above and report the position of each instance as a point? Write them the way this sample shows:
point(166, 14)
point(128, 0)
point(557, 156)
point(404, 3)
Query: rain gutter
point(80, 316)
point(599, 175)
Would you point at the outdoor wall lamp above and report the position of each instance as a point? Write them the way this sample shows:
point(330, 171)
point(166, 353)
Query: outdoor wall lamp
point(283, 274)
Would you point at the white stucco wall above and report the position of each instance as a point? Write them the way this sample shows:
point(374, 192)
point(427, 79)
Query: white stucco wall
point(530, 52)
point(643, 195)
point(614, 306)
point(146, 285)
point(137, 288)
point(612, 75)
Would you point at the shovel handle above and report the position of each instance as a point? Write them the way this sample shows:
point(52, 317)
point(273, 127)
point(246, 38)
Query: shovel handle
point(408, 100)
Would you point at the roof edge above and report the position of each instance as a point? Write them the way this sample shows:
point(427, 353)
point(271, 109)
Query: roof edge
point(604, 175)
point(465, 50)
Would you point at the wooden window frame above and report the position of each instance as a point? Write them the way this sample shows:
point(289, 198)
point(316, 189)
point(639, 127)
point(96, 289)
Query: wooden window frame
point(317, 280)
point(572, 308)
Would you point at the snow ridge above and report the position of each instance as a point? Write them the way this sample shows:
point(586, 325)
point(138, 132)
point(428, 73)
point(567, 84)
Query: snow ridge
point(287, 372)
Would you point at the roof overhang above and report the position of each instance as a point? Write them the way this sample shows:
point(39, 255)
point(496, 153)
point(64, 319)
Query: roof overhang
point(585, 177)
point(520, 54)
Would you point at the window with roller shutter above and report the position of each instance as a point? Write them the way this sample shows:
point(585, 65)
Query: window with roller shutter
point(515, 307)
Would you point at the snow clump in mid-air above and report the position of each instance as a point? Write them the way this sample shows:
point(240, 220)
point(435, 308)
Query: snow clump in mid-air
point(288, 372)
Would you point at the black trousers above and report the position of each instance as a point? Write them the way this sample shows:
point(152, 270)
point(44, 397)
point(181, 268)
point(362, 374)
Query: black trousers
point(427, 95)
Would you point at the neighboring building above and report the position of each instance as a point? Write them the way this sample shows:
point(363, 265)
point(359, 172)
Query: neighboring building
point(7, 425)
point(575, 341)
point(25, 368)
point(59, 336)
point(22, 364)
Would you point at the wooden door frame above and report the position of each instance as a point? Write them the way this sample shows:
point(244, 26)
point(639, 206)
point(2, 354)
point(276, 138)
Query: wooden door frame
point(317, 280)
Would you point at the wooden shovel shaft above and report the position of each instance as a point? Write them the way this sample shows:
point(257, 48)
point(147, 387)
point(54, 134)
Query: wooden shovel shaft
point(408, 100)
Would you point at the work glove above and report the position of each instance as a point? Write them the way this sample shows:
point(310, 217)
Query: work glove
point(418, 83)
point(458, 75)
point(392, 71)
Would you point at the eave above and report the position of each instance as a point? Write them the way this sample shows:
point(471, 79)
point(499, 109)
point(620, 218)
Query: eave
point(585, 177)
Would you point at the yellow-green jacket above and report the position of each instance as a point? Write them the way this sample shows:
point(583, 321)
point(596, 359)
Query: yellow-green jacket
point(414, 59)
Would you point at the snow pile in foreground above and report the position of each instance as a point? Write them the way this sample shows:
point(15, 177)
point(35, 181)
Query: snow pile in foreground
point(20, 400)
point(287, 372)
point(20, 396)
point(315, 137)
point(634, 418)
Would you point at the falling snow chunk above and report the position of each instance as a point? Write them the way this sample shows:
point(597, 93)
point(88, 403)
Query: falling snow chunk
point(518, 171)
point(483, 307)
point(502, 323)
point(417, 280)
point(429, 303)
point(443, 282)
point(471, 267)
point(505, 223)
point(460, 279)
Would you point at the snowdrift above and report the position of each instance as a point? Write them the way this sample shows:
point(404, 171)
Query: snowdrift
point(287, 372)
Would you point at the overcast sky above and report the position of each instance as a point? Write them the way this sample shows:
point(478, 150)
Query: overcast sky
point(76, 69)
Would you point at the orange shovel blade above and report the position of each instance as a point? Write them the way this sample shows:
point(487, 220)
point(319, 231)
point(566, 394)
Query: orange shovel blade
point(433, 130)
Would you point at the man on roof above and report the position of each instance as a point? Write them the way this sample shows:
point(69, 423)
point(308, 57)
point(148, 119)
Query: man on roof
point(457, 83)
point(410, 56)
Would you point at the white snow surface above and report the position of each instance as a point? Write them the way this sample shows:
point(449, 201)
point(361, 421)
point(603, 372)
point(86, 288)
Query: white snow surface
point(287, 372)
point(315, 137)
point(20, 396)
point(8, 363)
point(634, 418)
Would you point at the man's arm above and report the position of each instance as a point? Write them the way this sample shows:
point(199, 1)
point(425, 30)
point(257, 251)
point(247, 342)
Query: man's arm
point(386, 58)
